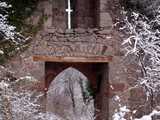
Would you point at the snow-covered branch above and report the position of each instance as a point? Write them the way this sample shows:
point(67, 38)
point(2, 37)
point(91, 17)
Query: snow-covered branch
point(8, 31)
point(143, 41)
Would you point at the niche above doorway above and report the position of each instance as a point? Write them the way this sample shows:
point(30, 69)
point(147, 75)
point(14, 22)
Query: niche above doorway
point(85, 14)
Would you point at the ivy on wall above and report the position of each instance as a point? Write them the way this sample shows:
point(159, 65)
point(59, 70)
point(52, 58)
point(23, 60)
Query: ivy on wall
point(16, 15)
point(20, 10)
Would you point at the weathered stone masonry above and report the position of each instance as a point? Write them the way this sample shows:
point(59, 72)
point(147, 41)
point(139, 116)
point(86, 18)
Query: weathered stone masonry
point(88, 42)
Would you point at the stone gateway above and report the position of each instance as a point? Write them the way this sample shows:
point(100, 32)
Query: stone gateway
point(89, 49)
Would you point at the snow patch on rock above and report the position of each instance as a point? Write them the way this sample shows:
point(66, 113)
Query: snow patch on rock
point(149, 117)
point(120, 114)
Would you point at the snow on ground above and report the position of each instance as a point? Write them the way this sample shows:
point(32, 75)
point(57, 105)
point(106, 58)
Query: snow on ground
point(3, 85)
point(124, 111)
point(25, 104)
point(149, 117)
point(120, 114)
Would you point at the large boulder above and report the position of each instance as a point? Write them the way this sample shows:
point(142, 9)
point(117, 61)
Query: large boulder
point(69, 98)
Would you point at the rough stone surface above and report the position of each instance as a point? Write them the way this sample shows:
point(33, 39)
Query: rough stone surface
point(79, 43)
point(105, 20)
point(104, 40)
point(68, 96)
point(138, 101)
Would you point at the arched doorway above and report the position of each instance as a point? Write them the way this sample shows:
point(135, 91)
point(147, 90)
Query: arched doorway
point(70, 96)
point(97, 75)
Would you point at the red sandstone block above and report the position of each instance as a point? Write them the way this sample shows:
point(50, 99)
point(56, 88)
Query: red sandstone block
point(113, 88)
point(110, 94)
point(117, 87)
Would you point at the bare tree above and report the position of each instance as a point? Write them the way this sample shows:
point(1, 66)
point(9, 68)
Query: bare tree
point(143, 41)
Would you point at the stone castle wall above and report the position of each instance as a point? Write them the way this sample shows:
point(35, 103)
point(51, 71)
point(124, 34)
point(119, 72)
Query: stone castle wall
point(54, 40)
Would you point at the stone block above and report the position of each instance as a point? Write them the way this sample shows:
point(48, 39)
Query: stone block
point(138, 101)
point(105, 20)
point(103, 5)
point(118, 87)
point(138, 94)
point(47, 14)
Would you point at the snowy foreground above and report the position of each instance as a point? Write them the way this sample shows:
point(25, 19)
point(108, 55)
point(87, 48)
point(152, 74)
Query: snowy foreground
point(18, 101)
point(22, 103)
point(119, 115)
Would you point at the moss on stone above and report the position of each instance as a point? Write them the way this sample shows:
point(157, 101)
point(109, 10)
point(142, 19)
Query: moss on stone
point(31, 30)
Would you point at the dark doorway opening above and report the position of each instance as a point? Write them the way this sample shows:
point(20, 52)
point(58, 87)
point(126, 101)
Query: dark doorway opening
point(97, 73)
